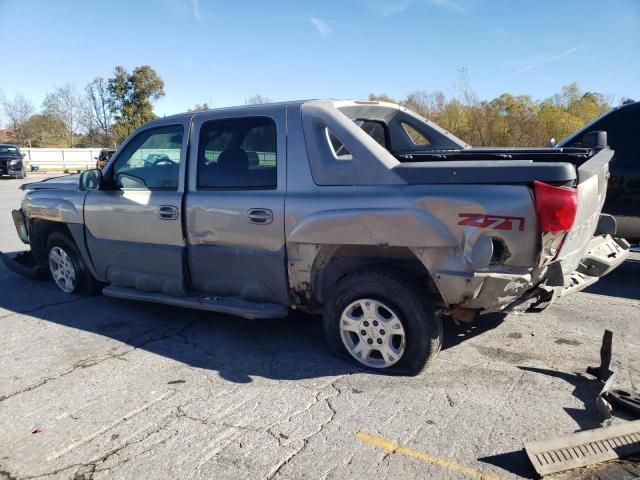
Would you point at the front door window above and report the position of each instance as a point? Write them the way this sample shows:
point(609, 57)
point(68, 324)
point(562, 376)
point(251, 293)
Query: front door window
point(151, 160)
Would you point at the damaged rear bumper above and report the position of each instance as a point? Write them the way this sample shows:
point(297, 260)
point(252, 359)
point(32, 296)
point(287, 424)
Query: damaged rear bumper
point(604, 254)
point(537, 288)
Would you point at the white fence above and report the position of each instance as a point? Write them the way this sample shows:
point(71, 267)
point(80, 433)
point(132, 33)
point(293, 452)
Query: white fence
point(60, 159)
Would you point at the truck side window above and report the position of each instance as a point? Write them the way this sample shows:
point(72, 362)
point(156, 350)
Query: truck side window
point(151, 160)
point(416, 137)
point(238, 153)
point(340, 152)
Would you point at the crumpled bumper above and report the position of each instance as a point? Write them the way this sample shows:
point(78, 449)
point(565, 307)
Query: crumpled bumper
point(25, 264)
point(604, 254)
point(537, 288)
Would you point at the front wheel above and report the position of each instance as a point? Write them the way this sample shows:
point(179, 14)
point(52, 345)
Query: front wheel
point(381, 321)
point(67, 268)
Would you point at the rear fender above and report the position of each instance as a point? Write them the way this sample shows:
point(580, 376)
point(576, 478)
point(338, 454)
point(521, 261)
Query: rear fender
point(312, 240)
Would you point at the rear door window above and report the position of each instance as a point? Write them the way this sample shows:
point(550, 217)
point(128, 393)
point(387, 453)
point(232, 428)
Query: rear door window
point(238, 153)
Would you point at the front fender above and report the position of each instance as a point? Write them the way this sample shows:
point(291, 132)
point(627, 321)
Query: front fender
point(54, 206)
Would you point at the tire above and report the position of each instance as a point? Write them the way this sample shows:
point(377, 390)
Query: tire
point(66, 266)
point(388, 298)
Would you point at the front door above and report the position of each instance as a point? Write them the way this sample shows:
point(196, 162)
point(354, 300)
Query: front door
point(235, 205)
point(134, 224)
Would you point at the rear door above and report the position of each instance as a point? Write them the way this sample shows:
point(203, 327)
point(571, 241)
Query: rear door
point(235, 205)
point(133, 226)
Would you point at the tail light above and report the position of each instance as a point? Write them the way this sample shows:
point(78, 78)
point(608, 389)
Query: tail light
point(556, 207)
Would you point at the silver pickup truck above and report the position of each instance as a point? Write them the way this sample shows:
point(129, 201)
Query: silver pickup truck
point(362, 210)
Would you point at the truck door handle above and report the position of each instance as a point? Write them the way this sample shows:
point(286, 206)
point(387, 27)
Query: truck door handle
point(167, 212)
point(262, 216)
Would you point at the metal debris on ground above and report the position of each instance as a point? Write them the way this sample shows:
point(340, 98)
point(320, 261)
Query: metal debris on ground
point(581, 449)
point(624, 399)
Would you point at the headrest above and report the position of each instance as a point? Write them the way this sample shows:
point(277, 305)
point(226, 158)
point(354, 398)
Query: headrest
point(234, 159)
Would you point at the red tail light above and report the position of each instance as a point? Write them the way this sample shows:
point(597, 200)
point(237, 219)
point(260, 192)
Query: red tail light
point(556, 207)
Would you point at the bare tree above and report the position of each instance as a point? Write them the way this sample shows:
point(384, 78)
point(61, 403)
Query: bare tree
point(98, 106)
point(257, 100)
point(65, 104)
point(467, 97)
point(17, 111)
point(199, 108)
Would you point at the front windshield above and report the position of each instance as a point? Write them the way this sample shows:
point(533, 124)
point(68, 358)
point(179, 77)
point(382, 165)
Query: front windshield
point(8, 149)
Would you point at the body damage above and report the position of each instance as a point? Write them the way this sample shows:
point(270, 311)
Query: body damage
point(430, 229)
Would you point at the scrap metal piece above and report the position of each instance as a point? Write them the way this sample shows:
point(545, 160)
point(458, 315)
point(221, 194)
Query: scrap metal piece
point(624, 399)
point(603, 372)
point(602, 404)
point(584, 448)
point(25, 264)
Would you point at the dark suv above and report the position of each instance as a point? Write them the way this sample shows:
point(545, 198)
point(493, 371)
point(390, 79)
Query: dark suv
point(11, 162)
point(622, 125)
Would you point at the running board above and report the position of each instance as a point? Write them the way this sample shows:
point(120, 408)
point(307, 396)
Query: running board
point(227, 305)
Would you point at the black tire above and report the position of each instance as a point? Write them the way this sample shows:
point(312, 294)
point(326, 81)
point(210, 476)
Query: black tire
point(414, 308)
point(85, 282)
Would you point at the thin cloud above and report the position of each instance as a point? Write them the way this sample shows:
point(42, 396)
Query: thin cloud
point(321, 27)
point(447, 4)
point(387, 8)
point(536, 61)
point(195, 10)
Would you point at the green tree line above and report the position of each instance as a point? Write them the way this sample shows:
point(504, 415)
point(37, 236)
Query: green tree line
point(507, 120)
point(103, 114)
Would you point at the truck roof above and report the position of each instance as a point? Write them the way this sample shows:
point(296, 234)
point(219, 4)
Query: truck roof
point(256, 107)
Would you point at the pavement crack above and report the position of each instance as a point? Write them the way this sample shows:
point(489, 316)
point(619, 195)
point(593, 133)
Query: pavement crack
point(91, 362)
point(321, 427)
point(86, 470)
point(5, 474)
point(46, 305)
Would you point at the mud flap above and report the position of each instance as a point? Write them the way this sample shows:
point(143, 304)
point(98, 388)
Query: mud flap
point(25, 264)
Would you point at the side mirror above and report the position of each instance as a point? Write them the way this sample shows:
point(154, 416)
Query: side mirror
point(90, 179)
point(22, 155)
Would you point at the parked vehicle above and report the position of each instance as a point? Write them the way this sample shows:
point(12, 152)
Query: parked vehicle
point(103, 157)
point(332, 206)
point(11, 161)
point(622, 126)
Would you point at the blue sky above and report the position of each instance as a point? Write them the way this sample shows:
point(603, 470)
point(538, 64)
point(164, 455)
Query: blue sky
point(223, 52)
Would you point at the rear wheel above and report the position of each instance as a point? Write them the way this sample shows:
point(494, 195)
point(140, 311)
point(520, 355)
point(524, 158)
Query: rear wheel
point(67, 268)
point(379, 320)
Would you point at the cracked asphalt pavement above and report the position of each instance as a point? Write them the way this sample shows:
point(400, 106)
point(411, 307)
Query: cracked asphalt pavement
point(123, 390)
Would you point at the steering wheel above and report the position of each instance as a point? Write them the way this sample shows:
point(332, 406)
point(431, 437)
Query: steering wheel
point(165, 161)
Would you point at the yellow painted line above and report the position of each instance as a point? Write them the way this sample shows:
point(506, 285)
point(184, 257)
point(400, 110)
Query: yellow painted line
point(384, 444)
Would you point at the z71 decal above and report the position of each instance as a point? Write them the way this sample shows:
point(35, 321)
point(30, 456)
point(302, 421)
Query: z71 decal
point(488, 220)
